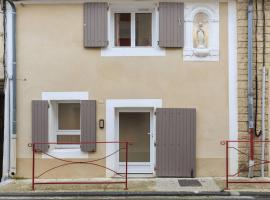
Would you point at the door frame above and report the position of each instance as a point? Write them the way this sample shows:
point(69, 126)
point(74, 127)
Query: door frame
point(111, 130)
point(138, 167)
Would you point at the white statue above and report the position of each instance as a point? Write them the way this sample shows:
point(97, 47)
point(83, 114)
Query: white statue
point(200, 37)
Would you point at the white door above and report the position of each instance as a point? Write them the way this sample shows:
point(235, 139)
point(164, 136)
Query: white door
point(136, 126)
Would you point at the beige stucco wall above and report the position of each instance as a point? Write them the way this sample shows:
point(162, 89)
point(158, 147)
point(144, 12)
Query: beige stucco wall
point(51, 58)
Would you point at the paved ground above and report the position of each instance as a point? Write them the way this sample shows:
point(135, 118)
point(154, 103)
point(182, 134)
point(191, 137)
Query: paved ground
point(134, 184)
point(265, 187)
point(139, 188)
point(140, 184)
point(247, 197)
point(144, 198)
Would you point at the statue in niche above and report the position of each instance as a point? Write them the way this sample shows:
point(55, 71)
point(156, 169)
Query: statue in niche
point(200, 35)
point(201, 40)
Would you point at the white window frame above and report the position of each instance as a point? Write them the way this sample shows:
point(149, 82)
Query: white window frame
point(133, 50)
point(132, 28)
point(65, 132)
point(52, 98)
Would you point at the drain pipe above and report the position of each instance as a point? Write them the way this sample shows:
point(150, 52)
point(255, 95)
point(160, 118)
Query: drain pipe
point(9, 169)
point(250, 90)
point(263, 122)
point(13, 121)
point(263, 95)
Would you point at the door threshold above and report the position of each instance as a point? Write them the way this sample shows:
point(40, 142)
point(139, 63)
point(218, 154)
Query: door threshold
point(138, 176)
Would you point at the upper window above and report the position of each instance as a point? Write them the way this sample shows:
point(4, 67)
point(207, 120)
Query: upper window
point(132, 29)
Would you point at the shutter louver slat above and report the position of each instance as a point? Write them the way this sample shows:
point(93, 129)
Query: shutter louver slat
point(171, 24)
point(95, 25)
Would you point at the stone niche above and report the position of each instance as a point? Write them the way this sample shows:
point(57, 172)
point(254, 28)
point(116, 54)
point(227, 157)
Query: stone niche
point(201, 31)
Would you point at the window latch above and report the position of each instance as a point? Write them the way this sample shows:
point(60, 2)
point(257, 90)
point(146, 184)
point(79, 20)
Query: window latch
point(179, 22)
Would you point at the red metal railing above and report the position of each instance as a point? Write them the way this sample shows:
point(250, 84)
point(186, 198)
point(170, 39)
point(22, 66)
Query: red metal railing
point(230, 146)
point(36, 149)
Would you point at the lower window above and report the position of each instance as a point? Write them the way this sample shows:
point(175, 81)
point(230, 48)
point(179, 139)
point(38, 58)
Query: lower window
point(68, 125)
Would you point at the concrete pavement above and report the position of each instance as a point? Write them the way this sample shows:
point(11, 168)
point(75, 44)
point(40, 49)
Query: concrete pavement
point(134, 184)
point(139, 188)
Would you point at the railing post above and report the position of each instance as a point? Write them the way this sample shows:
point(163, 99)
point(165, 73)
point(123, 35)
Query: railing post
point(33, 166)
point(126, 181)
point(227, 166)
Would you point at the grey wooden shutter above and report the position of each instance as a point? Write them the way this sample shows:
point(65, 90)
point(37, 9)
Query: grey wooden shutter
point(176, 142)
point(95, 24)
point(40, 124)
point(88, 125)
point(171, 24)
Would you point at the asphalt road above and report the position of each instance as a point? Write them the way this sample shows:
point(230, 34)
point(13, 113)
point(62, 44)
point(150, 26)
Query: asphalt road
point(141, 197)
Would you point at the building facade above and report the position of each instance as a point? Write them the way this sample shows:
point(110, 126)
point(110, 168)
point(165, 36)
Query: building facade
point(158, 74)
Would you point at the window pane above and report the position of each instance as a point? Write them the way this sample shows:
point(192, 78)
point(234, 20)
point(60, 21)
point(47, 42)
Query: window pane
point(122, 29)
point(143, 29)
point(135, 126)
point(68, 138)
point(69, 116)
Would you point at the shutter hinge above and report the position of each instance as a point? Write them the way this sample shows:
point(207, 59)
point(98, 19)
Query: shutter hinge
point(158, 42)
point(155, 168)
point(191, 173)
point(155, 144)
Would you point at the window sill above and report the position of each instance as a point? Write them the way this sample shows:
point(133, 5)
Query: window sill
point(66, 153)
point(133, 51)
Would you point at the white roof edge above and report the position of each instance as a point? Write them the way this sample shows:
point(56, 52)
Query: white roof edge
point(109, 1)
